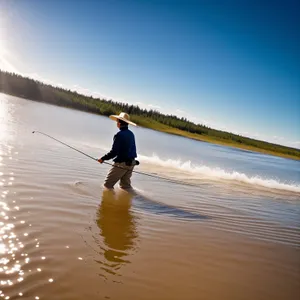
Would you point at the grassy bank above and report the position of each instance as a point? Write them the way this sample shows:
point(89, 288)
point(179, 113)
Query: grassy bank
point(152, 124)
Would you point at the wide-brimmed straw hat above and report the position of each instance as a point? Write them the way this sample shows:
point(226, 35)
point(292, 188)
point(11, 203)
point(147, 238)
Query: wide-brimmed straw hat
point(122, 116)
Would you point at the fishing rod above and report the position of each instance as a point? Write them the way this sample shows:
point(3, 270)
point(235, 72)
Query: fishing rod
point(137, 172)
point(51, 137)
point(120, 167)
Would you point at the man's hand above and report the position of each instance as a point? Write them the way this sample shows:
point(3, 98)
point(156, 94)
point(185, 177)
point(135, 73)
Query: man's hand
point(100, 161)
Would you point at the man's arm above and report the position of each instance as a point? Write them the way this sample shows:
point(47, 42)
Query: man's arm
point(113, 152)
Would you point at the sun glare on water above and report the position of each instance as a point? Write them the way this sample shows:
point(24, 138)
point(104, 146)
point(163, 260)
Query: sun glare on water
point(3, 119)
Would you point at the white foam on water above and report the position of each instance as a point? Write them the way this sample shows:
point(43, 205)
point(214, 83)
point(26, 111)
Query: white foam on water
point(202, 171)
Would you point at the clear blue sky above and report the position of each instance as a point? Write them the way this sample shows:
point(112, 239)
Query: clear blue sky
point(234, 65)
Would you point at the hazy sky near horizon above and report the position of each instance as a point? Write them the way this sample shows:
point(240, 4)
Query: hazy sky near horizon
point(233, 65)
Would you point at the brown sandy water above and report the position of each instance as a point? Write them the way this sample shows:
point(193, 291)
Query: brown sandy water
point(62, 237)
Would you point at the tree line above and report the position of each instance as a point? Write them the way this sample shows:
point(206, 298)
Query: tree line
point(28, 88)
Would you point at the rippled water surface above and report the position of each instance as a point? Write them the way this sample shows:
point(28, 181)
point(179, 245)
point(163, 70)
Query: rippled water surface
point(231, 232)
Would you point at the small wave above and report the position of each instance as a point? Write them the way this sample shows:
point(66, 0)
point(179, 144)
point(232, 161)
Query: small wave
point(202, 171)
point(89, 188)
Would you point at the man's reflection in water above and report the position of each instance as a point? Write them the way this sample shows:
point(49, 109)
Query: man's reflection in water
point(117, 227)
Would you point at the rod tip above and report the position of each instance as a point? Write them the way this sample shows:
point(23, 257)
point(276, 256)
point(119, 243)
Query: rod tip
point(33, 131)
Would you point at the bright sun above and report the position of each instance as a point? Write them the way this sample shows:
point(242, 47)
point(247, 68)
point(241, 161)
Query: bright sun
point(6, 57)
point(2, 36)
point(4, 53)
point(2, 42)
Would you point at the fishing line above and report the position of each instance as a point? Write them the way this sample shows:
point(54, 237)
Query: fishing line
point(137, 172)
point(120, 167)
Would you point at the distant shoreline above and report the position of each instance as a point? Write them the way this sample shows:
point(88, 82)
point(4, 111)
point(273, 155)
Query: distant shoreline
point(219, 142)
point(27, 88)
point(177, 132)
point(232, 144)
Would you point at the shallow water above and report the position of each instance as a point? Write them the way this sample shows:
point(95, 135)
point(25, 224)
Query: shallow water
point(234, 235)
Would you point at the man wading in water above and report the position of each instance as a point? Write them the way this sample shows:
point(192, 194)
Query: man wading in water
point(124, 153)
